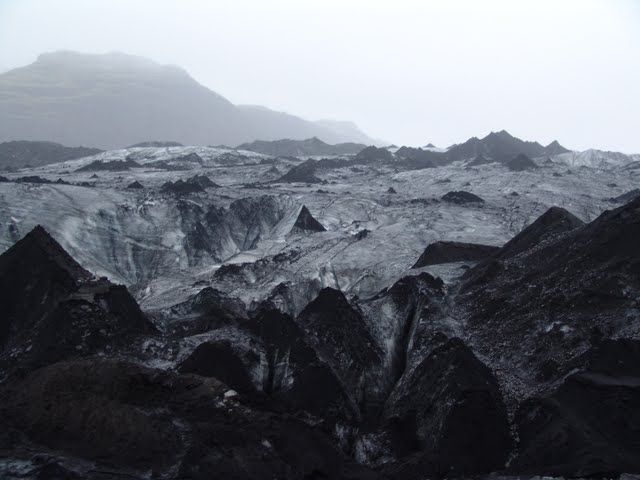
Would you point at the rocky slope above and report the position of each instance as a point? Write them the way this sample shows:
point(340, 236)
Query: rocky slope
point(568, 286)
point(301, 148)
point(21, 154)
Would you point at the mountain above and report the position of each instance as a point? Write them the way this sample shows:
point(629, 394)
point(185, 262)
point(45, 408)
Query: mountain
point(496, 147)
point(596, 158)
point(554, 148)
point(500, 146)
point(296, 148)
point(348, 130)
point(373, 154)
point(19, 154)
point(156, 144)
point(418, 158)
point(114, 99)
point(504, 148)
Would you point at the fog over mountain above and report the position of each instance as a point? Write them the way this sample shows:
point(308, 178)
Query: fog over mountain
point(407, 72)
point(114, 100)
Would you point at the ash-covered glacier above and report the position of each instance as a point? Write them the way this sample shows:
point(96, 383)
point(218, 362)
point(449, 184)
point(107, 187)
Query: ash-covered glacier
point(398, 313)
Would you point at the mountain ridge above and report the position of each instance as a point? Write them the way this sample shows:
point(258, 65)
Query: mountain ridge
point(501, 146)
point(20, 153)
point(307, 146)
point(134, 99)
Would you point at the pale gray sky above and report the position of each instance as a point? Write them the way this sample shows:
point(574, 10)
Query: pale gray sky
point(410, 72)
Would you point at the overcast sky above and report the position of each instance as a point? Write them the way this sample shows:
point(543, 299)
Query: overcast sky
point(410, 72)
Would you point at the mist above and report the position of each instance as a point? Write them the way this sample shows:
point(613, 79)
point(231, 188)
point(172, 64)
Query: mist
point(405, 72)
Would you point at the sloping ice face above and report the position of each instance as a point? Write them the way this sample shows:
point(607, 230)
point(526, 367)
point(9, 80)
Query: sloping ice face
point(166, 247)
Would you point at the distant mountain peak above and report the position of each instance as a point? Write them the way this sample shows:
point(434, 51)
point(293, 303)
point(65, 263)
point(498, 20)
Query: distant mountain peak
point(309, 146)
point(554, 148)
point(114, 99)
point(113, 58)
point(500, 134)
point(22, 153)
point(501, 146)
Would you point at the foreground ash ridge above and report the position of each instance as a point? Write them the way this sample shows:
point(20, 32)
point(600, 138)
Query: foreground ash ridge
point(539, 375)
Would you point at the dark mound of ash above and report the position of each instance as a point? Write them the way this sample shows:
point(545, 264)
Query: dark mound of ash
point(373, 154)
point(520, 163)
point(54, 309)
point(203, 181)
point(109, 166)
point(627, 196)
point(306, 223)
point(461, 198)
point(156, 144)
point(447, 252)
point(135, 185)
point(303, 173)
point(181, 187)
